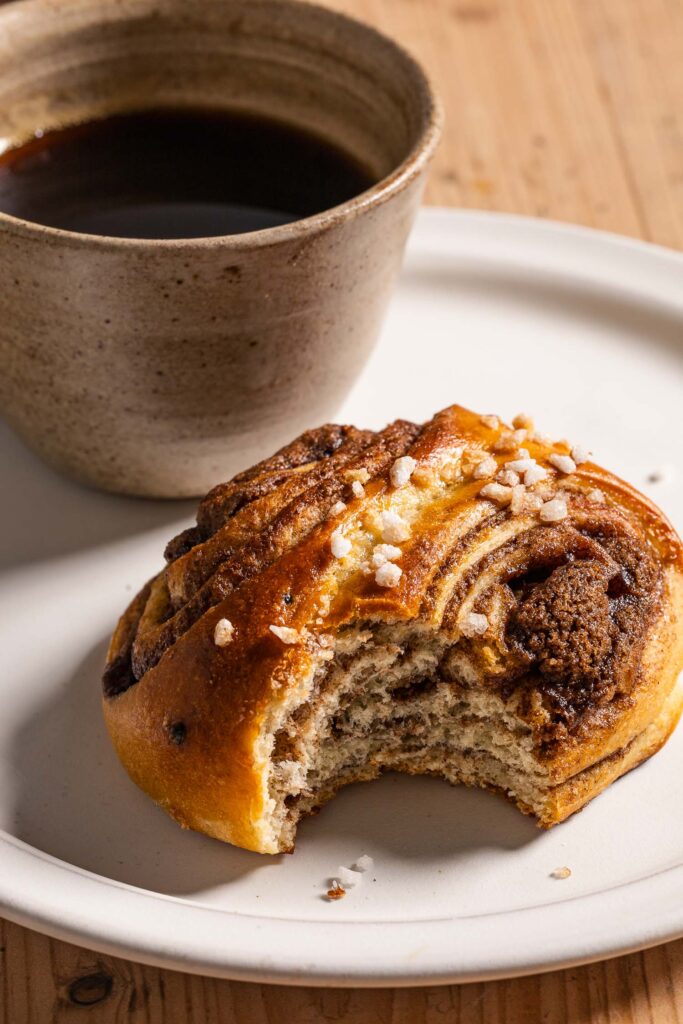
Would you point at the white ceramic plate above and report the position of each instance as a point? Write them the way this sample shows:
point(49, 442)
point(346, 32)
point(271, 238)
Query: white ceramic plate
point(500, 313)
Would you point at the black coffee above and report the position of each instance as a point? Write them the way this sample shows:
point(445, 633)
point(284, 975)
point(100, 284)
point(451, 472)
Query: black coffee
point(176, 174)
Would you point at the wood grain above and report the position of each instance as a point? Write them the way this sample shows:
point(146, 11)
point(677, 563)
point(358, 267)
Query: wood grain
point(51, 981)
point(556, 108)
point(568, 109)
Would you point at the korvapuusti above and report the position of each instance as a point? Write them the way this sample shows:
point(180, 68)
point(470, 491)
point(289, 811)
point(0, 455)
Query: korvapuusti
point(459, 598)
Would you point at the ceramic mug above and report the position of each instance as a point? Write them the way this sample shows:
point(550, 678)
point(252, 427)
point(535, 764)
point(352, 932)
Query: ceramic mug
point(160, 368)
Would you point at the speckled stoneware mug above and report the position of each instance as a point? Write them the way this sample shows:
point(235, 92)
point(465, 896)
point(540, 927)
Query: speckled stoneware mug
point(161, 367)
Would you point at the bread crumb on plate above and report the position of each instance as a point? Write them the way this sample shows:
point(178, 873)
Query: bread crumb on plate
point(561, 873)
point(336, 891)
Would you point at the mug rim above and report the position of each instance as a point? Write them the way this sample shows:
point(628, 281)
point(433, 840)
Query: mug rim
point(419, 155)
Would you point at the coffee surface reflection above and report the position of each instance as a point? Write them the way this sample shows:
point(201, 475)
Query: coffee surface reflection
point(176, 174)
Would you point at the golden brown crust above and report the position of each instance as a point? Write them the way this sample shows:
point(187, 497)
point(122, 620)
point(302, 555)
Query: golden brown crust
point(185, 715)
point(571, 795)
point(254, 523)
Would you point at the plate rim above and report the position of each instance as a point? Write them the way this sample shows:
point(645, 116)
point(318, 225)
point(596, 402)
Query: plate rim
point(40, 891)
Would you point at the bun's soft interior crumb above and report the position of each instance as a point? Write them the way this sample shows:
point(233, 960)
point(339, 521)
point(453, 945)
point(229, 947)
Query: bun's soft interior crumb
point(395, 698)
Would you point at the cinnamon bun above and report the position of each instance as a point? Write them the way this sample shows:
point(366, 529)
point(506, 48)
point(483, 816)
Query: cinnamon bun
point(461, 598)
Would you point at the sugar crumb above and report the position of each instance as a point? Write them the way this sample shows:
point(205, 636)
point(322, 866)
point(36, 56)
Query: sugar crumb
point(474, 624)
point(497, 492)
point(286, 634)
point(364, 863)
point(349, 878)
point(564, 463)
point(524, 501)
point(510, 440)
point(486, 468)
point(382, 553)
point(223, 633)
point(534, 475)
point(394, 529)
point(523, 422)
point(580, 454)
point(519, 496)
point(339, 544)
point(553, 511)
point(388, 575)
point(402, 470)
point(522, 464)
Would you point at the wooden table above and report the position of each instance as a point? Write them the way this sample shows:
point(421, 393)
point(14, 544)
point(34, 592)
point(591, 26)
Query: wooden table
point(571, 109)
